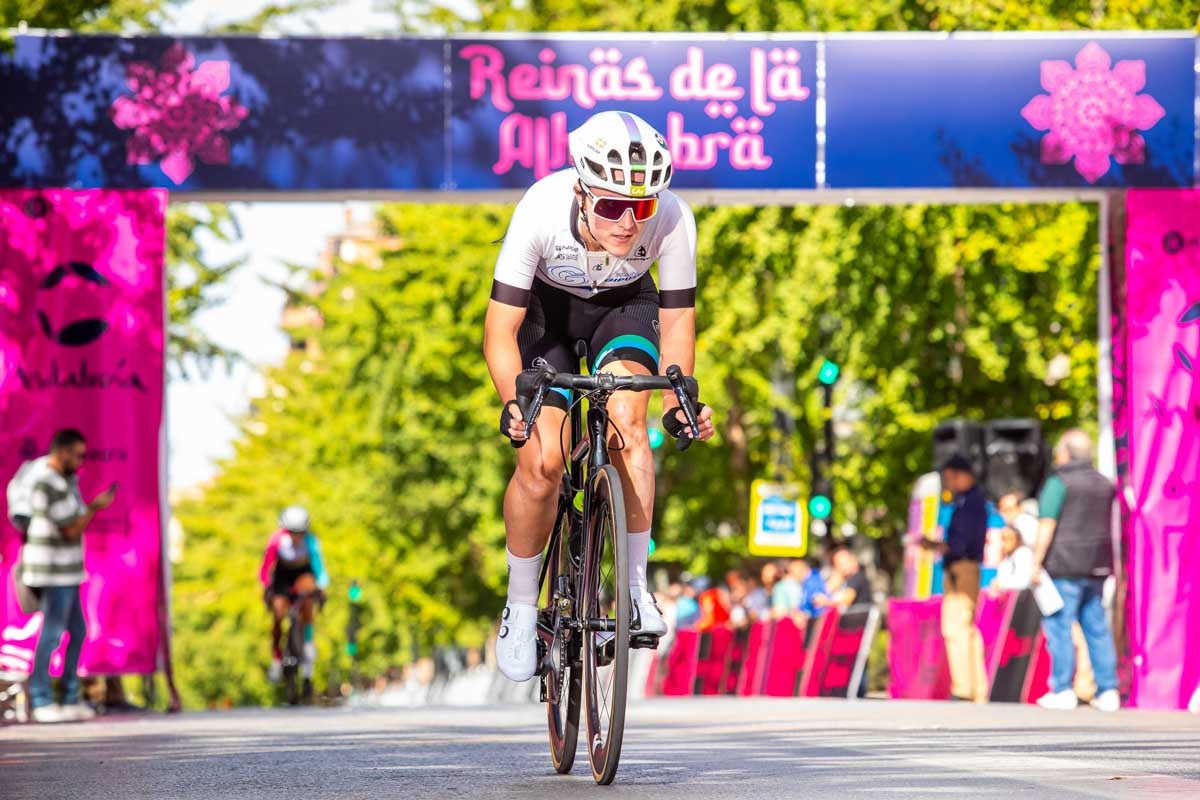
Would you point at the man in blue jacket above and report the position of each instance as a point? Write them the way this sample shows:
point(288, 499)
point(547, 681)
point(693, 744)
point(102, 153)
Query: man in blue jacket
point(962, 556)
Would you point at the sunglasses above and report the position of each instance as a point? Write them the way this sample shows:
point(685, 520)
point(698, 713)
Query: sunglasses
point(614, 208)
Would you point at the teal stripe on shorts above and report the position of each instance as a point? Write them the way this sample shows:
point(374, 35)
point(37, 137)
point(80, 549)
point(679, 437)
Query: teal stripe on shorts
point(627, 340)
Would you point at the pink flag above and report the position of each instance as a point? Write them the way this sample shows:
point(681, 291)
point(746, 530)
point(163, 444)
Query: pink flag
point(82, 346)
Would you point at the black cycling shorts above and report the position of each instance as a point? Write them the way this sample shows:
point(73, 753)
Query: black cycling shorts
point(617, 324)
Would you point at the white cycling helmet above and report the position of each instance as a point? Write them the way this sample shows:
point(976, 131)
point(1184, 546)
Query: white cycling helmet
point(294, 519)
point(619, 151)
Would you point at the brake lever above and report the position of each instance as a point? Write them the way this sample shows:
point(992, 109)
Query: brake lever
point(675, 376)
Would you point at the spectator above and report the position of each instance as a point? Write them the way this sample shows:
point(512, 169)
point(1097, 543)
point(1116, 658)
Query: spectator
point(687, 610)
point(814, 589)
point(758, 598)
point(738, 588)
point(1015, 571)
point(1020, 520)
point(962, 557)
point(788, 591)
point(714, 605)
point(848, 584)
point(1075, 547)
point(52, 562)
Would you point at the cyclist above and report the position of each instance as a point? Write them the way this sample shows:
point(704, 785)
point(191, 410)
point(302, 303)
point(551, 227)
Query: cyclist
point(575, 265)
point(292, 567)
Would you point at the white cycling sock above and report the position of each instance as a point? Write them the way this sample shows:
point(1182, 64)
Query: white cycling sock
point(523, 576)
point(639, 554)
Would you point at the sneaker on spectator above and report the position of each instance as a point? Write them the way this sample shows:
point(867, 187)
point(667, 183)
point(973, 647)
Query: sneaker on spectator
point(78, 712)
point(1059, 701)
point(49, 714)
point(1107, 701)
point(275, 671)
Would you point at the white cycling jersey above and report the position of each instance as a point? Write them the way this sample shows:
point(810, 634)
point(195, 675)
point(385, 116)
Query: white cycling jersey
point(543, 243)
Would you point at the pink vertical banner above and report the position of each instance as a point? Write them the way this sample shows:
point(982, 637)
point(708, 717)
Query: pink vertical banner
point(916, 651)
point(82, 346)
point(1162, 406)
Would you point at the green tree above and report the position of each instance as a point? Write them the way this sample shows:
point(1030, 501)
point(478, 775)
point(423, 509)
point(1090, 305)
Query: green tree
point(387, 435)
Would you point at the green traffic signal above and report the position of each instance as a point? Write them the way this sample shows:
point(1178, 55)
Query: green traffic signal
point(355, 592)
point(819, 507)
point(656, 437)
point(829, 372)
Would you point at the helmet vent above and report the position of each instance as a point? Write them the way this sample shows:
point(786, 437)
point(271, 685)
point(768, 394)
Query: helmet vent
point(637, 154)
point(657, 160)
point(654, 176)
point(596, 169)
point(614, 157)
point(618, 175)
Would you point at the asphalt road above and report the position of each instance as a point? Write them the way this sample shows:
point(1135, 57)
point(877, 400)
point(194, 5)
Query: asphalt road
point(689, 749)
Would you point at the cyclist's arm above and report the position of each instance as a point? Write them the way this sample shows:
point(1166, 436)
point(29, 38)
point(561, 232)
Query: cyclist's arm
point(511, 283)
point(500, 349)
point(677, 294)
point(318, 562)
point(270, 556)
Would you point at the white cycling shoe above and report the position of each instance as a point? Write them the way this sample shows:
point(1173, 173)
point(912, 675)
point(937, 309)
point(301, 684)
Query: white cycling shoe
point(516, 645)
point(647, 618)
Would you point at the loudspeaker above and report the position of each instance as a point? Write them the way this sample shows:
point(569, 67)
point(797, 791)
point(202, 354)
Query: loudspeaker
point(1016, 456)
point(962, 436)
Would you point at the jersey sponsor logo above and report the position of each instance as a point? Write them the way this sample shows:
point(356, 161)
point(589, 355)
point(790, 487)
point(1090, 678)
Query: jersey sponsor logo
point(567, 274)
point(641, 252)
point(623, 278)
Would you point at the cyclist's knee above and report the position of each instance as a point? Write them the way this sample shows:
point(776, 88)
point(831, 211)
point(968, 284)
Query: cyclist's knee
point(630, 420)
point(539, 477)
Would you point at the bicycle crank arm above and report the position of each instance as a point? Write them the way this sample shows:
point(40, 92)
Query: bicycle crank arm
point(604, 624)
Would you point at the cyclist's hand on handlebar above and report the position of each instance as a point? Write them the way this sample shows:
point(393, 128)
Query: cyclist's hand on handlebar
point(512, 423)
point(675, 423)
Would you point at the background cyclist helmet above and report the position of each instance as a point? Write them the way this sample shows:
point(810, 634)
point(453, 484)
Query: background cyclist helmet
point(621, 152)
point(294, 519)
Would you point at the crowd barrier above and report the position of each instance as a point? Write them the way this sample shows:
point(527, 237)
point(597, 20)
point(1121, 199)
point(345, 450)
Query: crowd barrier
point(1018, 664)
point(778, 658)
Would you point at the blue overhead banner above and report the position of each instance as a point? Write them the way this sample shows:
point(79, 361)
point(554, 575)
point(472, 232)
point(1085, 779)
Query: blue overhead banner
point(235, 113)
point(1010, 112)
point(229, 115)
point(739, 113)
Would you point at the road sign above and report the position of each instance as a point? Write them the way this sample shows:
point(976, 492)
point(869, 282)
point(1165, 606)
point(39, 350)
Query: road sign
point(778, 520)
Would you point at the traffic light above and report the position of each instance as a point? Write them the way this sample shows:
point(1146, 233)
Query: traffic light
point(352, 624)
point(819, 506)
point(355, 592)
point(656, 437)
point(820, 503)
point(828, 373)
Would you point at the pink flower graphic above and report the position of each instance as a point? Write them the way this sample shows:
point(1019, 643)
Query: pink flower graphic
point(177, 113)
point(1093, 112)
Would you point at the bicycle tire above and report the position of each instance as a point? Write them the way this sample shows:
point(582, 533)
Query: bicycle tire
point(606, 569)
point(563, 676)
point(293, 658)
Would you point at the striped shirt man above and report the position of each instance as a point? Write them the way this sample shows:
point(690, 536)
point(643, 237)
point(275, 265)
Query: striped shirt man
point(49, 557)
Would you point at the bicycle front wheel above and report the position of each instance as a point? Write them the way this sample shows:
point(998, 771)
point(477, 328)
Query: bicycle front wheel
point(606, 614)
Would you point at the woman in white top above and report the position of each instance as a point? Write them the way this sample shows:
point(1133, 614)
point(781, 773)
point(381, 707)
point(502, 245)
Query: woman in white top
point(1016, 570)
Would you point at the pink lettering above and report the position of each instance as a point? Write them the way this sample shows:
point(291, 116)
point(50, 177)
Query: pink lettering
point(693, 151)
point(690, 150)
point(608, 80)
point(690, 81)
point(535, 143)
point(487, 64)
point(784, 81)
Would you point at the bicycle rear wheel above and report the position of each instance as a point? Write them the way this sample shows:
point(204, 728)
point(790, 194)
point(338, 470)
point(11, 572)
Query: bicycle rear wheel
point(563, 677)
point(606, 604)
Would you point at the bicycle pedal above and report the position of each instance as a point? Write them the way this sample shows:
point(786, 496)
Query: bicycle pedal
point(643, 641)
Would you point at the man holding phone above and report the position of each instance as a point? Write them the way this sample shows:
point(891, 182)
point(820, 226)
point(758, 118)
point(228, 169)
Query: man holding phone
point(52, 565)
